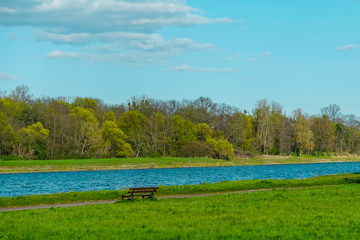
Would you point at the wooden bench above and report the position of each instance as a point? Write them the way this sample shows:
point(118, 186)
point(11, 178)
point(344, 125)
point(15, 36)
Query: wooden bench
point(145, 192)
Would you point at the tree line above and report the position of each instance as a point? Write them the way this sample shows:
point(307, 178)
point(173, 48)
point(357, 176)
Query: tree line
point(63, 128)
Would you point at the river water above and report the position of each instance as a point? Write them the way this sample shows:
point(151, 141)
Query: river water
point(19, 184)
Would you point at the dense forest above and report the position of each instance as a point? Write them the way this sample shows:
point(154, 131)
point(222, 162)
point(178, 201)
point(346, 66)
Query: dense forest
point(64, 127)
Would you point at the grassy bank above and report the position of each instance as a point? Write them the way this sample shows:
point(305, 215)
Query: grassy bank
point(319, 213)
point(227, 186)
point(21, 166)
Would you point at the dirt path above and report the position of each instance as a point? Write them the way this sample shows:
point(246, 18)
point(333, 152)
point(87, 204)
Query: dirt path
point(159, 197)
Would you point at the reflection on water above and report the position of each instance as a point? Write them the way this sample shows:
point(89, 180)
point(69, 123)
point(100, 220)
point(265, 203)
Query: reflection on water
point(20, 184)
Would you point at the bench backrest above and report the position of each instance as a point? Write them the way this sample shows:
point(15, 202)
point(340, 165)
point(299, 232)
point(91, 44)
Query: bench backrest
point(151, 190)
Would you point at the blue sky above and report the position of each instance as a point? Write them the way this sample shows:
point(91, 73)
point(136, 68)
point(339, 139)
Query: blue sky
point(302, 53)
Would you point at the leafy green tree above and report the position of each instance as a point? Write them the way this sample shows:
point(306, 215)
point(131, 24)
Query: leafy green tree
point(109, 116)
point(83, 114)
point(32, 141)
point(341, 138)
point(86, 103)
point(144, 105)
point(324, 133)
point(183, 131)
point(199, 111)
point(264, 129)
point(61, 126)
point(90, 104)
point(222, 149)
point(87, 134)
point(116, 139)
point(285, 141)
point(239, 131)
point(14, 112)
point(353, 140)
point(158, 132)
point(7, 135)
point(134, 124)
point(303, 136)
point(204, 131)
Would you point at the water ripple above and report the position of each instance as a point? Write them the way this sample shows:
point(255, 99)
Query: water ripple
point(20, 184)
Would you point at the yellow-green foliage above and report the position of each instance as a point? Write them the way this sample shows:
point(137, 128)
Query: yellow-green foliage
point(221, 148)
point(32, 140)
point(115, 137)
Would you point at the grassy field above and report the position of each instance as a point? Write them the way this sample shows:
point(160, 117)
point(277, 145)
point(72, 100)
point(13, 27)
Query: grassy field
point(330, 212)
point(228, 186)
point(19, 166)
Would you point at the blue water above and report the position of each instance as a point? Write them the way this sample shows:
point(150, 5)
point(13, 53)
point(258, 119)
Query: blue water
point(19, 184)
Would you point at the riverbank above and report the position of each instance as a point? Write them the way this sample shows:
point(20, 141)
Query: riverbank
point(206, 188)
point(76, 204)
point(27, 166)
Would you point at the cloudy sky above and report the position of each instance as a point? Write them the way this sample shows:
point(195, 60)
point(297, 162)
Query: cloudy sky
point(302, 53)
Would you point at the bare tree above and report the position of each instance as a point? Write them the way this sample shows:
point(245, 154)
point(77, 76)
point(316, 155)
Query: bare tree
point(21, 94)
point(263, 127)
point(333, 111)
point(2, 94)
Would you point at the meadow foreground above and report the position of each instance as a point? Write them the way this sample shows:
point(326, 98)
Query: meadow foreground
point(317, 213)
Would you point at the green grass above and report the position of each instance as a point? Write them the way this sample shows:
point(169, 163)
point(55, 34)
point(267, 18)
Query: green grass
point(17, 166)
point(317, 213)
point(227, 186)
point(102, 164)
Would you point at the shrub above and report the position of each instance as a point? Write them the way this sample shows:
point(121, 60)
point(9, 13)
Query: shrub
point(222, 149)
point(195, 149)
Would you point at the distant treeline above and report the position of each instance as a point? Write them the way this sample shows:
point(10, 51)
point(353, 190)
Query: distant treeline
point(62, 128)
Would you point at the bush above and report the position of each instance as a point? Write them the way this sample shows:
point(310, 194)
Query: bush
point(195, 149)
point(221, 148)
point(11, 158)
point(239, 153)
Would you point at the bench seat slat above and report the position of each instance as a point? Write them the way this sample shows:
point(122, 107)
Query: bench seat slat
point(137, 191)
point(137, 194)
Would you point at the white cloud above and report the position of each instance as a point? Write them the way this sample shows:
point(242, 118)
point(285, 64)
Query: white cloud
point(90, 6)
point(88, 38)
point(122, 57)
point(7, 77)
point(233, 58)
point(112, 30)
point(260, 55)
point(347, 47)
point(61, 54)
point(264, 54)
point(183, 68)
point(103, 15)
point(121, 26)
point(125, 40)
point(187, 19)
point(122, 46)
point(7, 10)
point(14, 36)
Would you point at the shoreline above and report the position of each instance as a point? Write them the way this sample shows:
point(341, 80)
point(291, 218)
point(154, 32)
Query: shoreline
point(114, 168)
point(218, 187)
